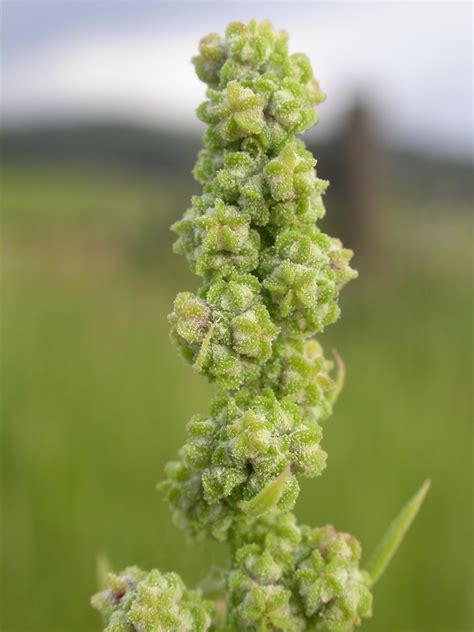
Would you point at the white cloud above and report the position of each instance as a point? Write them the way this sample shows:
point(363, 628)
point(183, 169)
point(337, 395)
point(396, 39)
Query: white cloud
point(126, 75)
point(411, 60)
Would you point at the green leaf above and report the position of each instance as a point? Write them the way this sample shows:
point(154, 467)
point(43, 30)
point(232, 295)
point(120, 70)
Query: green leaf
point(394, 535)
point(268, 497)
point(203, 352)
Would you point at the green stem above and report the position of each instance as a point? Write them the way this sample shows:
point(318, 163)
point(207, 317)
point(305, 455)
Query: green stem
point(392, 538)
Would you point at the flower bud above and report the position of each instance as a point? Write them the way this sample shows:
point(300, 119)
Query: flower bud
point(139, 601)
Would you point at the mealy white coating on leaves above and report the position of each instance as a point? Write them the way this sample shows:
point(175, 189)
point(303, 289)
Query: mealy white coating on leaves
point(271, 280)
point(294, 578)
point(137, 601)
point(271, 277)
point(234, 453)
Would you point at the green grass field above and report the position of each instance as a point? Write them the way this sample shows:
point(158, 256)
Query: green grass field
point(94, 400)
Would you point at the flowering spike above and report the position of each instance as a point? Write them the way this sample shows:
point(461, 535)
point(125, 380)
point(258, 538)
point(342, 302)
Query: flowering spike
point(271, 281)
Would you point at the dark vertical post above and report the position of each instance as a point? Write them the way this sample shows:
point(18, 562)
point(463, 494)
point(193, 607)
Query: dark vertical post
point(360, 174)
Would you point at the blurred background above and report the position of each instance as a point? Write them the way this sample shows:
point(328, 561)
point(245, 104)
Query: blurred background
point(98, 139)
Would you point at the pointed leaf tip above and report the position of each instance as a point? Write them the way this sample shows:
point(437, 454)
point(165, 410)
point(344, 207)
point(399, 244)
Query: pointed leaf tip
point(268, 497)
point(395, 533)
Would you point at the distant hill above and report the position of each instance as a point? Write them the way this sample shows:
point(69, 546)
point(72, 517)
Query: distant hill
point(169, 152)
point(118, 144)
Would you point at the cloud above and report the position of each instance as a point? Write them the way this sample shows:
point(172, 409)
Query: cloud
point(412, 61)
point(126, 75)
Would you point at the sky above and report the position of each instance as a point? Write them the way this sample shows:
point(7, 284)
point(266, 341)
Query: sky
point(130, 60)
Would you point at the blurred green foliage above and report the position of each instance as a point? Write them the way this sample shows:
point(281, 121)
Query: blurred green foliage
point(94, 399)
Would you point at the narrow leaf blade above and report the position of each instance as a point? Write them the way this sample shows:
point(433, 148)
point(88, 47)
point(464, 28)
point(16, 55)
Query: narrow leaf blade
point(395, 533)
point(268, 497)
point(202, 355)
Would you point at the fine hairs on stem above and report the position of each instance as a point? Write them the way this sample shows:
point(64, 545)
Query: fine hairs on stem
point(270, 283)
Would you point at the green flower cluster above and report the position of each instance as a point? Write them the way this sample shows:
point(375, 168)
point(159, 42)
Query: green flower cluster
point(294, 578)
point(137, 601)
point(303, 274)
point(334, 591)
point(299, 370)
point(255, 87)
point(232, 454)
point(227, 334)
point(270, 282)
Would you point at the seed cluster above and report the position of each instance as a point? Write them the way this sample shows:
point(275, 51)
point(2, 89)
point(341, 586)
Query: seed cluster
point(270, 282)
point(293, 578)
point(136, 601)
